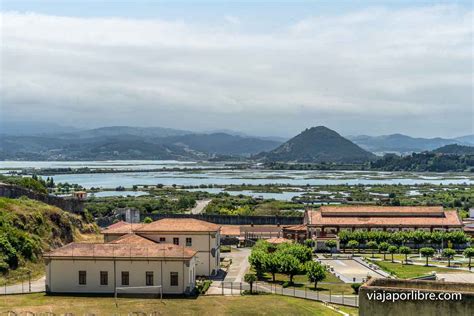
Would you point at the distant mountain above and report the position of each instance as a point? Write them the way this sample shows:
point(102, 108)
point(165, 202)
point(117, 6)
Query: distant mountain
point(455, 149)
point(123, 142)
point(401, 144)
point(221, 144)
point(318, 144)
point(468, 139)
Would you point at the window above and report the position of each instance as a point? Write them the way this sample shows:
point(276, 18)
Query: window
point(162, 239)
point(149, 278)
point(82, 277)
point(104, 278)
point(176, 240)
point(174, 278)
point(125, 278)
point(189, 241)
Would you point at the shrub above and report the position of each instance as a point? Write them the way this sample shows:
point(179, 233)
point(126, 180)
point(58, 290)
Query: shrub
point(147, 220)
point(355, 287)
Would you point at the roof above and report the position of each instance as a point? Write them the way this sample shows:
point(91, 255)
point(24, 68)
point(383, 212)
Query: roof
point(121, 228)
point(132, 239)
point(121, 250)
point(383, 216)
point(178, 225)
point(375, 210)
point(278, 240)
point(230, 230)
point(301, 227)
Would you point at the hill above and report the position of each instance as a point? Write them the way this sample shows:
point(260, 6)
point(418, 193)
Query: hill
point(123, 142)
point(28, 228)
point(399, 143)
point(455, 150)
point(318, 144)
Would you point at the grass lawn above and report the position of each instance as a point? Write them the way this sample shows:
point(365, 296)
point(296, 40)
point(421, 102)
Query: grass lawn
point(416, 258)
point(203, 305)
point(330, 283)
point(410, 271)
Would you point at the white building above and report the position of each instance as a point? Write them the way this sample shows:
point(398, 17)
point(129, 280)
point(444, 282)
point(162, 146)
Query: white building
point(129, 261)
point(201, 236)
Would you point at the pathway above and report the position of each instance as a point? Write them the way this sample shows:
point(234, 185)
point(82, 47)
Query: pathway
point(200, 206)
point(351, 270)
point(36, 287)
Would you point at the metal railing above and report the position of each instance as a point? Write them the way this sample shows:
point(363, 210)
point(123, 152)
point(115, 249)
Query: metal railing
point(334, 297)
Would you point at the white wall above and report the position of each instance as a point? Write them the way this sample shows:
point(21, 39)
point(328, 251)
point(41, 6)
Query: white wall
point(63, 275)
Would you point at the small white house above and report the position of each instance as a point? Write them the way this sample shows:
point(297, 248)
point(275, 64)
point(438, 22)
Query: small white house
point(130, 261)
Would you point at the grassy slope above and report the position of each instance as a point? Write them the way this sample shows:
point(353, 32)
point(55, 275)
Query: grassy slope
point(203, 305)
point(49, 227)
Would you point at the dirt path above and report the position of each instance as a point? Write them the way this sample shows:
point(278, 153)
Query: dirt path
point(200, 206)
point(36, 286)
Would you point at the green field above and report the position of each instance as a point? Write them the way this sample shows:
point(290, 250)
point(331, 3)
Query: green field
point(203, 305)
point(405, 271)
point(330, 283)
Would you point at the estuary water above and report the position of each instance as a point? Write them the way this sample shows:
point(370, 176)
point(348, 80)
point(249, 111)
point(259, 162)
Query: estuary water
point(220, 176)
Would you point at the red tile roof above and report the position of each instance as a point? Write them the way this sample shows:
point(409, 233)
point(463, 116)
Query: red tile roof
point(178, 225)
point(378, 216)
point(119, 250)
point(132, 239)
point(278, 240)
point(121, 228)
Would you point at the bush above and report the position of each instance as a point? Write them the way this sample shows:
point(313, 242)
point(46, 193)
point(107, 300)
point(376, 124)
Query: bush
point(355, 287)
point(147, 220)
point(202, 286)
point(225, 249)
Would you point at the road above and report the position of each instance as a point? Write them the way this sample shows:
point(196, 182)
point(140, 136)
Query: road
point(200, 206)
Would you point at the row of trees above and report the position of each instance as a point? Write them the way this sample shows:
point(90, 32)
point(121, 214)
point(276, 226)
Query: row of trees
point(399, 238)
point(289, 259)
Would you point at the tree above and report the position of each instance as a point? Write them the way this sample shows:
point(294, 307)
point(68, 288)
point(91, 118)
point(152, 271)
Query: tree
point(257, 260)
point(289, 265)
point(250, 278)
point(469, 253)
point(427, 252)
point(404, 250)
point(272, 263)
point(449, 253)
point(372, 245)
point(300, 252)
point(353, 244)
point(315, 272)
point(383, 247)
point(331, 244)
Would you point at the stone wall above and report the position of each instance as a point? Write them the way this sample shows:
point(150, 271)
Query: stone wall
point(67, 204)
point(367, 306)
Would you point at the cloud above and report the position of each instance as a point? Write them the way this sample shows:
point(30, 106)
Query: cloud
point(370, 65)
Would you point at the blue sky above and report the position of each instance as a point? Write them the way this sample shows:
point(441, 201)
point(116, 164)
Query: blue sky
point(359, 67)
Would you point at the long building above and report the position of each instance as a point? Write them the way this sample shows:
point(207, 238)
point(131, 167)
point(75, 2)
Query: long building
point(327, 221)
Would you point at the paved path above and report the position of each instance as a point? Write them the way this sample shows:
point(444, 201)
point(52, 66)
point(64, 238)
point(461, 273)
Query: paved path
point(350, 270)
point(36, 287)
point(200, 206)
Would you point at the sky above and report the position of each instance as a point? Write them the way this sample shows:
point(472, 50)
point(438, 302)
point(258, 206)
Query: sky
point(268, 68)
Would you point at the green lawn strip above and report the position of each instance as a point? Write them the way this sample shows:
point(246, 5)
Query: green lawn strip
point(417, 259)
point(405, 271)
point(203, 305)
point(330, 283)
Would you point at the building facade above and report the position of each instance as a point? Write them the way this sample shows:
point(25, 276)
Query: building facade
point(203, 237)
point(132, 261)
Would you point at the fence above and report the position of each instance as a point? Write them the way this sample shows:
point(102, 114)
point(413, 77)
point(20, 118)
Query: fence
point(26, 286)
point(236, 288)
